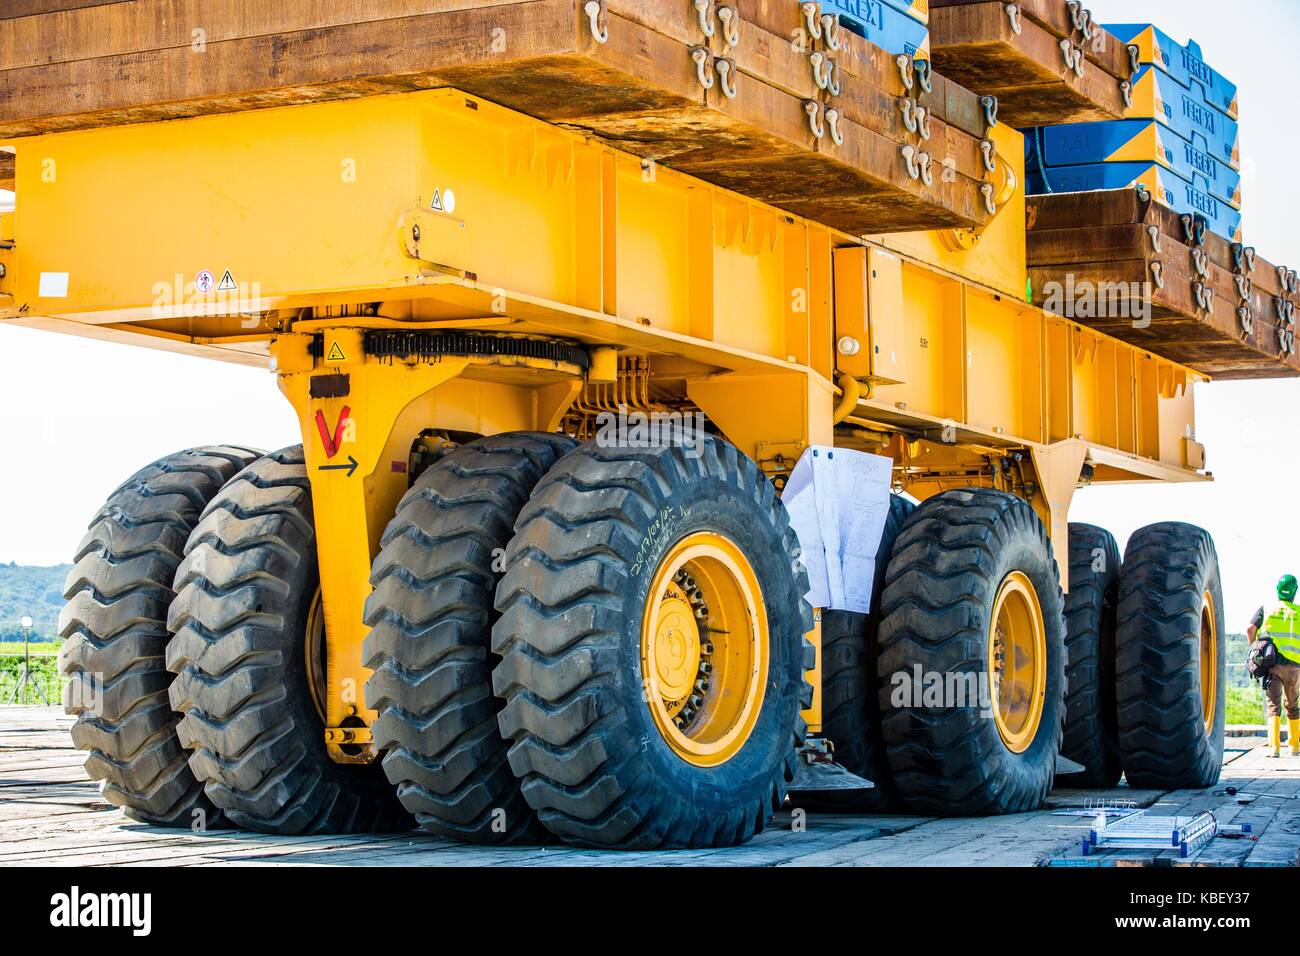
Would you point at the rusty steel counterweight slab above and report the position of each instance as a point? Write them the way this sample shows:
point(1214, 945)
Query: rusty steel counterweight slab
point(1215, 305)
point(821, 125)
point(1045, 60)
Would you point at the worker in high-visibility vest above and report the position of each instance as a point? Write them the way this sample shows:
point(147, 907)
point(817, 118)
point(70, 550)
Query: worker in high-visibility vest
point(1281, 624)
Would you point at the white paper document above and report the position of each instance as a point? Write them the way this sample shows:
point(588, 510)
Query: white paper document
point(838, 501)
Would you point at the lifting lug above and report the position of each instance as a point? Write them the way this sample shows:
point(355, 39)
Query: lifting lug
point(832, 77)
point(1243, 258)
point(813, 109)
point(833, 124)
point(923, 161)
point(730, 19)
point(1126, 91)
point(726, 76)
point(990, 106)
point(1073, 57)
point(1287, 278)
point(905, 71)
point(701, 57)
point(594, 9)
point(1201, 262)
point(702, 10)
point(815, 60)
point(1158, 274)
point(986, 190)
point(831, 30)
point(922, 122)
point(1285, 308)
point(922, 70)
point(1204, 296)
point(1134, 65)
point(812, 18)
point(989, 154)
point(1013, 14)
point(1081, 17)
point(1154, 233)
point(1244, 287)
point(1246, 316)
point(909, 119)
point(909, 157)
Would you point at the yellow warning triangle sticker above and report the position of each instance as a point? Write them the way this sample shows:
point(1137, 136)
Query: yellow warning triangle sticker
point(336, 354)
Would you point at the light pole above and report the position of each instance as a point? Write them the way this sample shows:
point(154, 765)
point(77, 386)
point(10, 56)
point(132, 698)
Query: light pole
point(25, 678)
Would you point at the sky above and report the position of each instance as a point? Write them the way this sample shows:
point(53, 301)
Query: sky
point(82, 416)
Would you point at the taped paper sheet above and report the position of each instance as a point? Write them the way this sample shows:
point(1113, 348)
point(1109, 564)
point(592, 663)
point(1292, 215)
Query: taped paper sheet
point(838, 501)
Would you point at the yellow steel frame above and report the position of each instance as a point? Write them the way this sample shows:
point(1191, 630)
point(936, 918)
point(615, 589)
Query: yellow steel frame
point(436, 211)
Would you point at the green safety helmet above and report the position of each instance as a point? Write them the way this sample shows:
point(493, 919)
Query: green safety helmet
point(1286, 587)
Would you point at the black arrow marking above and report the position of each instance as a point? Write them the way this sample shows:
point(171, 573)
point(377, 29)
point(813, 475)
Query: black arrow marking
point(351, 466)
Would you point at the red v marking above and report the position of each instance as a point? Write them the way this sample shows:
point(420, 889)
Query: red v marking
point(331, 442)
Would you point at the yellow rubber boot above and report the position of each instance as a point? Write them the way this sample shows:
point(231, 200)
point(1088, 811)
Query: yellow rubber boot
point(1275, 736)
point(1293, 736)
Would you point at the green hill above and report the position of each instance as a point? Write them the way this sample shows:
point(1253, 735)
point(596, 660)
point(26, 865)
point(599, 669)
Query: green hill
point(34, 591)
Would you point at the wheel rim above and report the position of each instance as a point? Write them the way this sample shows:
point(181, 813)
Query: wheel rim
point(704, 648)
point(1209, 663)
point(314, 653)
point(1017, 662)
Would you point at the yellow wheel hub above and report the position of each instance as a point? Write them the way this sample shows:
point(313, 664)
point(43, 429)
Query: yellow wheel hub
point(704, 648)
point(676, 648)
point(1209, 663)
point(1017, 662)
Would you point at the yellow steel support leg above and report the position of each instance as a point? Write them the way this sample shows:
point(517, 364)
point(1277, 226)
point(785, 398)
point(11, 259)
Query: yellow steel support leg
point(355, 491)
point(1058, 467)
point(357, 446)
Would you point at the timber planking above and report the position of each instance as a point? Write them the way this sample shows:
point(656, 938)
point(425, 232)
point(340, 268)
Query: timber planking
point(50, 814)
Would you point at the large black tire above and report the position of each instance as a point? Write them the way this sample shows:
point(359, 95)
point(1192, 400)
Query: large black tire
point(949, 562)
point(243, 597)
point(594, 765)
point(431, 616)
point(1164, 743)
point(1091, 722)
point(114, 630)
point(850, 706)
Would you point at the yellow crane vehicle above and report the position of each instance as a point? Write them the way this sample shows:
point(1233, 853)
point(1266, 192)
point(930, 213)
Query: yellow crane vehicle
point(480, 593)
